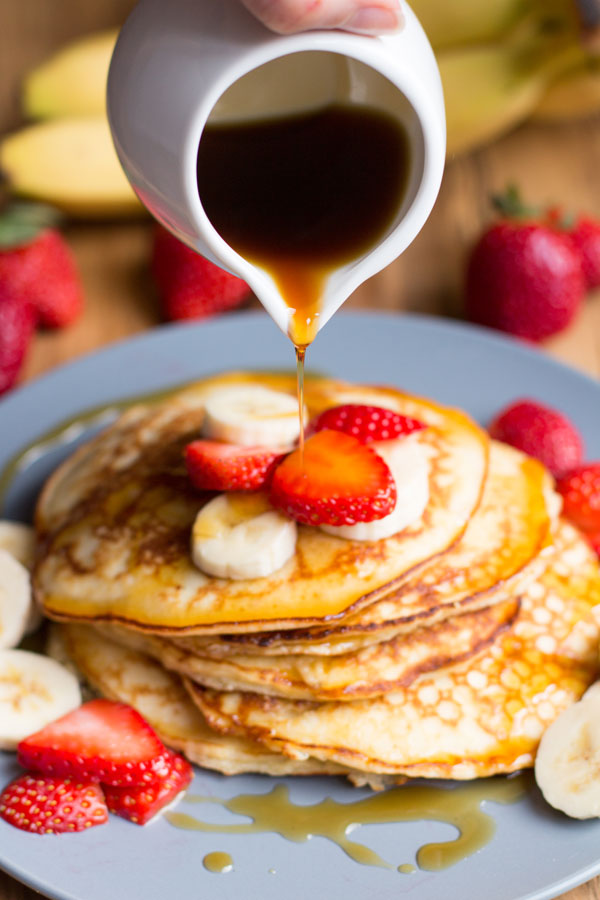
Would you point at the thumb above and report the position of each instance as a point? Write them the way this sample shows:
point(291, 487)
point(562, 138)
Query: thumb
point(360, 16)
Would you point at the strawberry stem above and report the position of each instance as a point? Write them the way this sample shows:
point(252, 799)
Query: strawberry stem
point(511, 206)
point(20, 223)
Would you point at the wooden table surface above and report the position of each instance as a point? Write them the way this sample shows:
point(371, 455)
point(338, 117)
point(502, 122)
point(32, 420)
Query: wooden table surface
point(552, 164)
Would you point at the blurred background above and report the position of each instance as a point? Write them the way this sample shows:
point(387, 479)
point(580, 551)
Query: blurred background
point(523, 97)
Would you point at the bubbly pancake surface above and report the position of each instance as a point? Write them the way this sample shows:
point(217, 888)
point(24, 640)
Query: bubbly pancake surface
point(470, 719)
point(115, 524)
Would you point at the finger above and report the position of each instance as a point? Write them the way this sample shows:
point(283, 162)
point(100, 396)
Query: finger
point(361, 16)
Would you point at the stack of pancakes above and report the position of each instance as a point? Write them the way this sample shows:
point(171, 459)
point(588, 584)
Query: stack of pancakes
point(442, 651)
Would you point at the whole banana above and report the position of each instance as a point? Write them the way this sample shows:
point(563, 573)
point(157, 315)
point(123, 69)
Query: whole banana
point(574, 95)
point(491, 88)
point(455, 23)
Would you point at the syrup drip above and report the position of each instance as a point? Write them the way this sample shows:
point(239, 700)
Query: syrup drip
point(218, 862)
point(459, 806)
point(300, 358)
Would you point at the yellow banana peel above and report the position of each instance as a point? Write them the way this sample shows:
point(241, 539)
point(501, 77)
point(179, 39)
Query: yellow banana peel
point(456, 23)
point(71, 164)
point(489, 89)
point(73, 81)
point(574, 95)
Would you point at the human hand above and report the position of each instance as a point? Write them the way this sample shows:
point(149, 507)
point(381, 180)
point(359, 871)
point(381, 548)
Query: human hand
point(361, 16)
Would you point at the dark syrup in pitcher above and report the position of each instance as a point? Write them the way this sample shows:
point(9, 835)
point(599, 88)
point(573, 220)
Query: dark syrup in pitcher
point(302, 195)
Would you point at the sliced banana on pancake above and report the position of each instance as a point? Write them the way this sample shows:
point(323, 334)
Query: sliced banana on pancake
point(18, 539)
point(34, 691)
point(251, 415)
point(567, 766)
point(15, 600)
point(240, 536)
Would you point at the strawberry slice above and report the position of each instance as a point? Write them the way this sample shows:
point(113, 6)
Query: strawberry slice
point(99, 741)
point(215, 466)
point(140, 804)
point(367, 423)
point(580, 489)
point(47, 804)
point(337, 481)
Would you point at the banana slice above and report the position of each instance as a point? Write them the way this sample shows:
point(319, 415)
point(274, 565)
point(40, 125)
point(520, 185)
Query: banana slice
point(251, 416)
point(19, 540)
point(34, 691)
point(241, 536)
point(15, 600)
point(567, 766)
point(408, 463)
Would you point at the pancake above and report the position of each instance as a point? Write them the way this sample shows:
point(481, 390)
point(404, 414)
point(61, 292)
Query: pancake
point(115, 519)
point(497, 555)
point(476, 718)
point(371, 672)
point(159, 696)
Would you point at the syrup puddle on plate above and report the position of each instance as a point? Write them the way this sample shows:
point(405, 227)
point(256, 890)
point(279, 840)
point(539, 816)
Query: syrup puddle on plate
point(218, 862)
point(459, 806)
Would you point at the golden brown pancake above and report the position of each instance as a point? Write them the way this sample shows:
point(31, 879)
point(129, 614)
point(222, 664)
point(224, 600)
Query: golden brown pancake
point(443, 651)
point(373, 671)
point(115, 523)
point(475, 718)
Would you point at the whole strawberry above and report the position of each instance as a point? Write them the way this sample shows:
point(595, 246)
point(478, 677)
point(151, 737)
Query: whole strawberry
point(17, 321)
point(586, 237)
point(190, 286)
point(36, 263)
point(580, 490)
point(541, 432)
point(524, 276)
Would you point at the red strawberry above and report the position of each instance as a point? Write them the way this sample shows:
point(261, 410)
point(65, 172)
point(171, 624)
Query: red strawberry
point(37, 263)
point(190, 286)
point(17, 321)
point(541, 432)
point(366, 423)
point(586, 237)
point(580, 489)
point(524, 277)
point(336, 481)
point(215, 466)
point(140, 804)
point(47, 804)
point(100, 741)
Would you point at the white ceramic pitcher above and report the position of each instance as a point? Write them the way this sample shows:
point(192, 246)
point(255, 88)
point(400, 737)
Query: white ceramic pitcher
point(179, 63)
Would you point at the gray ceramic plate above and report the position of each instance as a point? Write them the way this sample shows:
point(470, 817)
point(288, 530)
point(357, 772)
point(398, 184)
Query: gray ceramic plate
point(535, 852)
